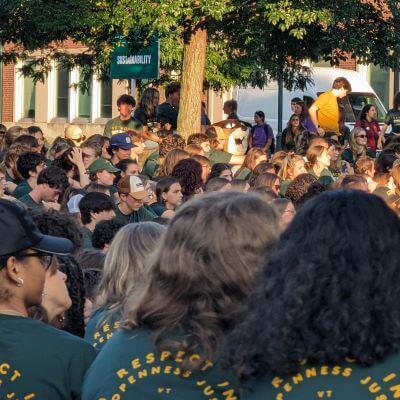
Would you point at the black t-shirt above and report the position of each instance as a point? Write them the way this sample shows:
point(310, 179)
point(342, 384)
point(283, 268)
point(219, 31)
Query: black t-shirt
point(40, 362)
point(150, 121)
point(393, 119)
point(168, 114)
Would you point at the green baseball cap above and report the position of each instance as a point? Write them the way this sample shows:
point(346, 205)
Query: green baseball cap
point(102, 164)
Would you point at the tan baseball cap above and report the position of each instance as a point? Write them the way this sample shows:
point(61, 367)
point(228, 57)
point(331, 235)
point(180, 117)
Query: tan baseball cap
point(133, 186)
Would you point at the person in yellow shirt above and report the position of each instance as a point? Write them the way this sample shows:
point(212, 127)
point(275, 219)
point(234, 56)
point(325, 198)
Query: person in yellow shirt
point(324, 112)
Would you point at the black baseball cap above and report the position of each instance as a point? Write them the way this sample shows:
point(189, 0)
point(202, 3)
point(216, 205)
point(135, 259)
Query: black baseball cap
point(19, 232)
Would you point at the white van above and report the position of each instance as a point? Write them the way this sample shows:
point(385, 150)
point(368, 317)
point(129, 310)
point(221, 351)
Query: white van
point(266, 100)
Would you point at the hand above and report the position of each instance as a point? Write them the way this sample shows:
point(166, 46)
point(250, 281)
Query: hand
point(320, 132)
point(167, 126)
point(76, 157)
point(52, 205)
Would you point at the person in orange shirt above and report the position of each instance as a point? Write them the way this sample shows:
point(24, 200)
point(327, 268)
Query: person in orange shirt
point(324, 112)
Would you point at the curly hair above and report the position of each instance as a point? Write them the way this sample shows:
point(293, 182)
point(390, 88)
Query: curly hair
point(299, 186)
point(171, 142)
point(62, 225)
point(323, 304)
point(197, 283)
point(105, 231)
point(188, 172)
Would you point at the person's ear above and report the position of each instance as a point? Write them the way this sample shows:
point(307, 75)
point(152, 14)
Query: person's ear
point(164, 196)
point(14, 271)
point(93, 216)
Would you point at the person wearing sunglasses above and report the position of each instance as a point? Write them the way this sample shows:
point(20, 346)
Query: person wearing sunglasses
point(37, 361)
point(358, 146)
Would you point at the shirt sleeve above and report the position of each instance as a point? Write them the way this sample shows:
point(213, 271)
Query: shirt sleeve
point(321, 101)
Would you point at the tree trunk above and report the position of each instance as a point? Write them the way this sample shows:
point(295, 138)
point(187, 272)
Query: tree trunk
point(194, 58)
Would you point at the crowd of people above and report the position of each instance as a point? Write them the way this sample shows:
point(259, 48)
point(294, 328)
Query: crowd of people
point(135, 264)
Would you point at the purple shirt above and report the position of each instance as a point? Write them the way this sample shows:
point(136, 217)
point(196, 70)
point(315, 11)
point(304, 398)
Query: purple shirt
point(261, 134)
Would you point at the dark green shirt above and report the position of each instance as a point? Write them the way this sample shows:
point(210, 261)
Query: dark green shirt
point(101, 328)
point(40, 362)
point(242, 173)
point(22, 189)
point(347, 381)
point(167, 113)
point(151, 164)
point(29, 202)
point(129, 367)
point(218, 156)
point(116, 125)
point(393, 118)
point(87, 238)
point(158, 208)
point(137, 216)
point(326, 177)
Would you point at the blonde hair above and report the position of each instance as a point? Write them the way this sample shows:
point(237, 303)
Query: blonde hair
point(125, 264)
point(357, 149)
point(288, 165)
point(395, 174)
point(172, 158)
point(313, 153)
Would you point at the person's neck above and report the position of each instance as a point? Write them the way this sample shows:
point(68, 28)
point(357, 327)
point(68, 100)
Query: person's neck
point(261, 123)
point(114, 160)
point(368, 118)
point(10, 172)
point(169, 101)
point(90, 226)
point(13, 307)
point(169, 206)
point(36, 194)
point(32, 181)
point(125, 117)
point(318, 168)
point(123, 207)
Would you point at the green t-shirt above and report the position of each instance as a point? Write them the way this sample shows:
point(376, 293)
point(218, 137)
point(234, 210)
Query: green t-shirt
point(87, 238)
point(218, 156)
point(13, 180)
point(29, 202)
point(129, 367)
point(116, 125)
point(100, 329)
point(393, 118)
point(151, 164)
point(40, 362)
point(158, 208)
point(242, 173)
point(347, 381)
point(137, 216)
point(167, 113)
point(22, 189)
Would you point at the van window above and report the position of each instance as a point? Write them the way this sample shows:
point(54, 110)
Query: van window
point(359, 100)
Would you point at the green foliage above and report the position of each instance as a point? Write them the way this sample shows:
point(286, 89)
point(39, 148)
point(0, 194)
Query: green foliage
point(249, 41)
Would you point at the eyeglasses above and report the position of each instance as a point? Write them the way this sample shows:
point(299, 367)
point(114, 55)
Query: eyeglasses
point(84, 155)
point(362, 136)
point(44, 258)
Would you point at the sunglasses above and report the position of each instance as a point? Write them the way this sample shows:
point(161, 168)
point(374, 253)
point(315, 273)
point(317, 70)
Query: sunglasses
point(44, 258)
point(362, 136)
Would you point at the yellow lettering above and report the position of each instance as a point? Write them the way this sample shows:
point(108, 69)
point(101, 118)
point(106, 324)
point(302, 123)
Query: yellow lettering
point(324, 370)
point(186, 374)
point(366, 380)
point(297, 378)
point(381, 397)
point(96, 335)
point(374, 388)
point(116, 397)
point(207, 364)
point(136, 363)
point(131, 379)
point(117, 324)
point(229, 394)
point(122, 387)
point(4, 368)
point(347, 372)
point(194, 357)
point(167, 369)
point(179, 356)
point(389, 377)
point(310, 372)
point(29, 396)
point(109, 336)
point(121, 373)
point(396, 390)
point(276, 382)
point(287, 387)
point(142, 374)
point(350, 360)
point(200, 383)
point(106, 328)
point(208, 391)
point(15, 376)
point(279, 396)
point(320, 394)
point(165, 355)
point(336, 370)
point(101, 340)
point(177, 371)
point(150, 358)
point(155, 370)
